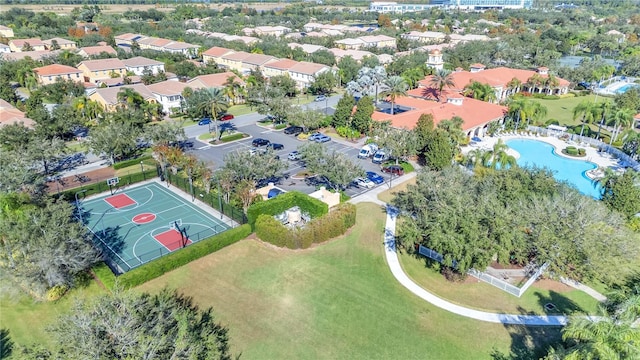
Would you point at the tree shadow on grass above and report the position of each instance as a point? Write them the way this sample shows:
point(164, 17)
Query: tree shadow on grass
point(529, 342)
point(557, 304)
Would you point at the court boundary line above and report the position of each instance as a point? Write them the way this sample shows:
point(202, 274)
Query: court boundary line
point(133, 248)
point(97, 200)
point(196, 209)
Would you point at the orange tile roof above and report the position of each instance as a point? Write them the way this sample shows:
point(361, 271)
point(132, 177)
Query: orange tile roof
point(495, 77)
point(213, 80)
point(308, 68)
point(97, 50)
point(237, 56)
point(168, 87)
point(10, 115)
point(217, 51)
point(283, 64)
point(56, 69)
point(21, 42)
point(473, 112)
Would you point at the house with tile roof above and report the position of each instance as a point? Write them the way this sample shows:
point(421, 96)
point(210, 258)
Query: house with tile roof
point(6, 31)
point(95, 70)
point(119, 81)
point(356, 55)
point(63, 44)
point(307, 48)
point(127, 39)
point(378, 41)
point(214, 80)
point(425, 36)
point(168, 94)
point(476, 114)
point(507, 81)
point(233, 60)
point(9, 115)
point(34, 55)
point(51, 73)
point(89, 51)
point(16, 45)
point(255, 62)
point(304, 73)
point(266, 31)
point(108, 97)
point(139, 64)
point(278, 67)
point(214, 54)
point(350, 44)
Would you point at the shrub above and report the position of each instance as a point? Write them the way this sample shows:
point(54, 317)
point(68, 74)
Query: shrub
point(582, 152)
point(104, 275)
point(158, 267)
point(280, 126)
point(232, 137)
point(282, 202)
point(56, 292)
point(318, 230)
point(570, 150)
point(347, 132)
point(127, 163)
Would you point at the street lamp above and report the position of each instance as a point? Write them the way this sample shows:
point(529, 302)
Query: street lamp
point(219, 200)
point(326, 105)
point(142, 169)
point(78, 204)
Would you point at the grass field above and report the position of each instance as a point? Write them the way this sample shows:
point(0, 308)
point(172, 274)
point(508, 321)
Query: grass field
point(387, 195)
point(27, 319)
point(562, 109)
point(336, 300)
point(480, 295)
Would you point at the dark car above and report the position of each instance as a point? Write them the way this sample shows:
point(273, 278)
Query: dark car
point(375, 178)
point(276, 180)
point(226, 117)
point(394, 170)
point(275, 146)
point(293, 130)
point(274, 192)
point(204, 121)
point(260, 142)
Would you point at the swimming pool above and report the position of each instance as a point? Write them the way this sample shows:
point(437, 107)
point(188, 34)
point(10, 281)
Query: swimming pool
point(542, 154)
point(624, 88)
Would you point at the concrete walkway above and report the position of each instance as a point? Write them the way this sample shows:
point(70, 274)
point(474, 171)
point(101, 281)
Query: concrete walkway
point(401, 276)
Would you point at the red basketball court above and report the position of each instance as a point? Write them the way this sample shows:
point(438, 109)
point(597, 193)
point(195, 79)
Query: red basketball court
point(119, 201)
point(171, 239)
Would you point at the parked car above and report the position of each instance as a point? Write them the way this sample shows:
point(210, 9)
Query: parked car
point(320, 98)
point(375, 178)
point(380, 156)
point(260, 142)
point(322, 138)
point(272, 179)
point(293, 130)
point(367, 151)
point(364, 183)
point(226, 117)
point(294, 155)
point(275, 146)
point(394, 170)
point(257, 151)
point(313, 136)
point(204, 121)
point(274, 192)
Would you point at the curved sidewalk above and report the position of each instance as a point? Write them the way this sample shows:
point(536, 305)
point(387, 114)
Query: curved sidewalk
point(399, 274)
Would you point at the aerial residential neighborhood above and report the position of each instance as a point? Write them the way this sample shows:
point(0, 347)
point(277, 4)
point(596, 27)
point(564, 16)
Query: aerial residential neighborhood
point(446, 179)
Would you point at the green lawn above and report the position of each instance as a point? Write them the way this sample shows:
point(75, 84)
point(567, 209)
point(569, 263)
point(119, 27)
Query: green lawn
point(476, 294)
point(27, 319)
point(562, 109)
point(335, 300)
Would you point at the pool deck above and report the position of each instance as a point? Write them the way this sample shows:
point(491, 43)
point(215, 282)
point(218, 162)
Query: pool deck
point(602, 160)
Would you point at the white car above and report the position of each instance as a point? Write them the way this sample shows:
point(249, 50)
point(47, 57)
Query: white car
point(364, 183)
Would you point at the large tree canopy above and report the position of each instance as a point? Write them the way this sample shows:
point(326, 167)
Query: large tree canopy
point(518, 215)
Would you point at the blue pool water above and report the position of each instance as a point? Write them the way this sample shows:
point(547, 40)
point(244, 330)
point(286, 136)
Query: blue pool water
point(623, 89)
point(542, 154)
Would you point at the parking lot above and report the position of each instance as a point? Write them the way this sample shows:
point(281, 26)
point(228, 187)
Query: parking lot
point(215, 155)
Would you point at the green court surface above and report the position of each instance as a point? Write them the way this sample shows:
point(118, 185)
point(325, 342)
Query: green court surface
point(142, 223)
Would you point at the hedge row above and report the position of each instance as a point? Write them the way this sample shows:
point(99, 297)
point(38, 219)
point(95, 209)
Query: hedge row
point(105, 275)
point(136, 161)
point(314, 207)
point(318, 230)
point(232, 137)
point(174, 260)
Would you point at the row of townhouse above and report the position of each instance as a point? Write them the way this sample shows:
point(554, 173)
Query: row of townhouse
point(158, 44)
point(37, 44)
point(243, 62)
point(370, 41)
point(86, 52)
point(266, 31)
point(93, 71)
point(438, 37)
point(167, 93)
point(312, 26)
point(247, 40)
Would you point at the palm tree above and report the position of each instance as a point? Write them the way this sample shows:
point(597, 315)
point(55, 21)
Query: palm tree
point(441, 79)
point(604, 110)
point(397, 87)
point(129, 98)
point(217, 104)
point(588, 111)
point(608, 336)
point(498, 155)
point(621, 119)
point(480, 91)
point(232, 89)
point(514, 85)
point(631, 142)
point(475, 158)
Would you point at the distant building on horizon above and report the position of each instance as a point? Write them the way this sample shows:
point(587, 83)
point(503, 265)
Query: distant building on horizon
point(475, 5)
